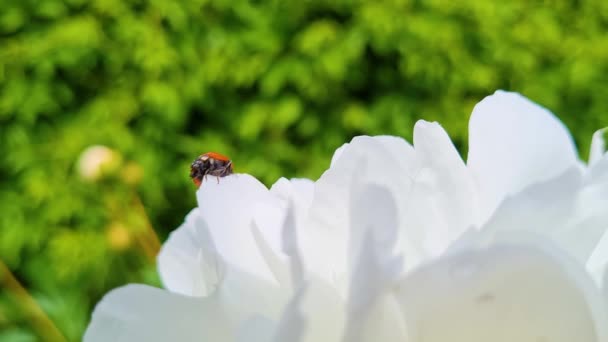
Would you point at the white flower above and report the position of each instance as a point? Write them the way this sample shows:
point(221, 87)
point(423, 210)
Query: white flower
point(393, 243)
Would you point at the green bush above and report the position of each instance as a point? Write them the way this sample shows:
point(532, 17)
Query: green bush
point(277, 85)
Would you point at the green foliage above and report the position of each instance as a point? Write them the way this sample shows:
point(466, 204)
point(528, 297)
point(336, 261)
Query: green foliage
point(277, 85)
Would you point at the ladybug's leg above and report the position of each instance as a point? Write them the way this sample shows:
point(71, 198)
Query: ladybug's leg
point(227, 169)
point(221, 172)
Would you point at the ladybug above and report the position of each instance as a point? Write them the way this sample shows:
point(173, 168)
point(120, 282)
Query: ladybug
point(212, 164)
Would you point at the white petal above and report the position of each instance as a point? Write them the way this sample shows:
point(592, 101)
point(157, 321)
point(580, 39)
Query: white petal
point(594, 203)
point(268, 217)
point(443, 202)
point(290, 247)
point(398, 149)
point(597, 264)
point(143, 313)
point(228, 207)
point(292, 324)
point(372, 311)
point(337, 154)
point(605, 288)
point(286, 265)
point(505, 292)
point(241, 306)
point(297, 191)
point(598, 172)
point(333, 188)
point(514, 143)
point(401, 152)
point(187, 262)
point(373, 258)
point(300, 190)
point(323, 244)
point(315, 313)
point(275, 260)
point(599, 145)
point(384, 321)
point(546, 208)
point(566, 210)
point(434, 147)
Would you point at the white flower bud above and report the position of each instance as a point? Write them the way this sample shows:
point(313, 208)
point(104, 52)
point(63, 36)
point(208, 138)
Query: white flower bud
point(96, 161)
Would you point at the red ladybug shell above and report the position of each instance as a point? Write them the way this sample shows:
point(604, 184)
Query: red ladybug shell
point(212, 164)
point(217, 156)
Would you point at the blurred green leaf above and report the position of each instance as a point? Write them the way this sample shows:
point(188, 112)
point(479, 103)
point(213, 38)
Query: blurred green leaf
point(275, 85)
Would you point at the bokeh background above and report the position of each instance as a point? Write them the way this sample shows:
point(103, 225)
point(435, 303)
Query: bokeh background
point(276, 85)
